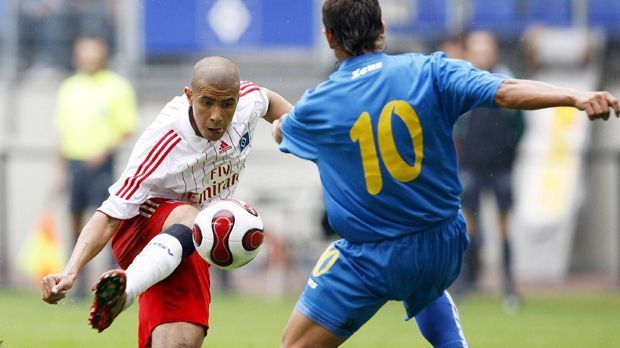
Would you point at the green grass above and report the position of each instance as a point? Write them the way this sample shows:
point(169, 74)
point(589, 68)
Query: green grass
point(545, 321)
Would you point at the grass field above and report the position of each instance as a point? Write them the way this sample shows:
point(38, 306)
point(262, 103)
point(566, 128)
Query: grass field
point(545, 321)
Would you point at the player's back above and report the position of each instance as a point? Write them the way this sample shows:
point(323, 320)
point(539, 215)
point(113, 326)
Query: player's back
point(383, 135)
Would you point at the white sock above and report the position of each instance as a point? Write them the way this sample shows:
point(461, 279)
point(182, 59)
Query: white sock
point(159, 258)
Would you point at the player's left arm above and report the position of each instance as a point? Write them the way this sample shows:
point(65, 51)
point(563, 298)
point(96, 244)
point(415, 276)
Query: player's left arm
point(530, 95)
point(278, 106)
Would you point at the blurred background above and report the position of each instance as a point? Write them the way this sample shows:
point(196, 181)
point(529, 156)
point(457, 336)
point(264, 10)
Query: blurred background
point(565, 225)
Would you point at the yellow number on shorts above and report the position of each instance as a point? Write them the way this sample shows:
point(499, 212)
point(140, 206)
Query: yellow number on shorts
point(326, 261)
point(398, 168)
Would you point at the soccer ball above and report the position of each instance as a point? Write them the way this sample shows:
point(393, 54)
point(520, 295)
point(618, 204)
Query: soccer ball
point(228, 233)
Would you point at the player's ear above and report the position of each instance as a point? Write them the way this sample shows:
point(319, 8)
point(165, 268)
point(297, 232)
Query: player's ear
point(382, 27)
point(188, 94)
point(329, 38)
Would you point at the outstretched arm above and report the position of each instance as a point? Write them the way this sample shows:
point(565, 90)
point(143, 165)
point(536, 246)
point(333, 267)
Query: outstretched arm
point(93, 238)
point(530, 95)
point(278, 106)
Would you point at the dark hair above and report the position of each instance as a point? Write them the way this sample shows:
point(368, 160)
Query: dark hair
point(355, 25)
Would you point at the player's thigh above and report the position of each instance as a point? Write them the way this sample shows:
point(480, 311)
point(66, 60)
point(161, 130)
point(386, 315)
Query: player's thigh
point(134, 234)
point(436, 258)
point(180, 334)
point(344, 289)
point(184, 214)
point(300, 331)
point(183, 297)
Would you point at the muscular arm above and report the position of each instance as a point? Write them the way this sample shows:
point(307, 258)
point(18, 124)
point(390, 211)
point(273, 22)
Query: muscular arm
point(278, 106)
point(93, 238)
point(530, 95)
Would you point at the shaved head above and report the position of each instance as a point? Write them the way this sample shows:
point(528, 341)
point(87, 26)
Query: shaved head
point(213, 96)
point(217, 72)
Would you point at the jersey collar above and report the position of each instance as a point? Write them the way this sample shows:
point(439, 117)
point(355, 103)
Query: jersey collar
point(354, 62)
point(199, 144)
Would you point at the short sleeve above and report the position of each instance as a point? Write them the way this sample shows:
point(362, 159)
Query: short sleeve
point(297, 138)
point(263, 104)
point(462, 87)
point(117, 208)
point(253, 99)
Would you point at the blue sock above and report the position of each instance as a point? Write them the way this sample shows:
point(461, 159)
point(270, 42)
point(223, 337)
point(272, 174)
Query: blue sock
point(439, 324)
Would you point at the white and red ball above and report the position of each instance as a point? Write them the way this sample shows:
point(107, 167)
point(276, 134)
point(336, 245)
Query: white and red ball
point(228, 233)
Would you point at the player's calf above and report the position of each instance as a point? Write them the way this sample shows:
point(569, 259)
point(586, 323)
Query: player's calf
point(159, 258)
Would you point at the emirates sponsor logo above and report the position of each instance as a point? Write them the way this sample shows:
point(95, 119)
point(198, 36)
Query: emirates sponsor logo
point(219, 180)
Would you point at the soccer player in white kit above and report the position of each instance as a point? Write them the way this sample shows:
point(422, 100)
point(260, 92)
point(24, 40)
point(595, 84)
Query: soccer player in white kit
point(192, 154)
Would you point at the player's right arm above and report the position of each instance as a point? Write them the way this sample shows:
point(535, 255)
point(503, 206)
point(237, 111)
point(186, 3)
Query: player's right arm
point(93, 238)
point(529, 95)
point(464, 87)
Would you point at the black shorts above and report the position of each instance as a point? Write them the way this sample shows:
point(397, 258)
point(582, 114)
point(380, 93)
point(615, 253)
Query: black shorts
point(88, 187)
point(474, 181)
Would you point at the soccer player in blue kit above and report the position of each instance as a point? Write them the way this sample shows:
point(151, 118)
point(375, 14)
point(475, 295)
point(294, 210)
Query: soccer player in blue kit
point(380, 131)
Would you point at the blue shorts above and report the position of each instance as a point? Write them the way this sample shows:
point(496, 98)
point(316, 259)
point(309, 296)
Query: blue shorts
point(351, 281)
point(88, 187)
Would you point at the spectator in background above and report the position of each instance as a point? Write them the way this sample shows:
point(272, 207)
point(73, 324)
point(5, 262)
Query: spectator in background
point(453, 47)
point(49, 28)
point(487, 139)
point(96, 112)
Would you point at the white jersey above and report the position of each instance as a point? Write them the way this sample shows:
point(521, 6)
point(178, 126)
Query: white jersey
point(171, 161)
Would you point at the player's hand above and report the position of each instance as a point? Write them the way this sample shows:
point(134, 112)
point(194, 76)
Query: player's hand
point(276, 131)
point(597, 104)
point(54, 287)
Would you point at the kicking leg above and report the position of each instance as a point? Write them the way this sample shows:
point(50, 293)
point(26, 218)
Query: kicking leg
point(159, 258)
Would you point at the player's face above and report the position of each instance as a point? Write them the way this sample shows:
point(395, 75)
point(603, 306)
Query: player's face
point(213, 108)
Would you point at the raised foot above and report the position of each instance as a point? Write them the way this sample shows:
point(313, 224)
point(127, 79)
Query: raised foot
point(108, 300)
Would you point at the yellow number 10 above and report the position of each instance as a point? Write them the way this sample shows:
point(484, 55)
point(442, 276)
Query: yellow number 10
point(398, 168)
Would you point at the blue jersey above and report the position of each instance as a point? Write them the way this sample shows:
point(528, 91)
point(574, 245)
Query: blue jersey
point(380, 131)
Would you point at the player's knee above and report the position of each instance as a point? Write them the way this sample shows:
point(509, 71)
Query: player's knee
point(301, 343)
point(291, 338)
point(184, 214)
point(178, 335)
point(288, 342)
point(184, 235)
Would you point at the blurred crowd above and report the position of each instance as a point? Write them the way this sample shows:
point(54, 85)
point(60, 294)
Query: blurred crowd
point(49, 28)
